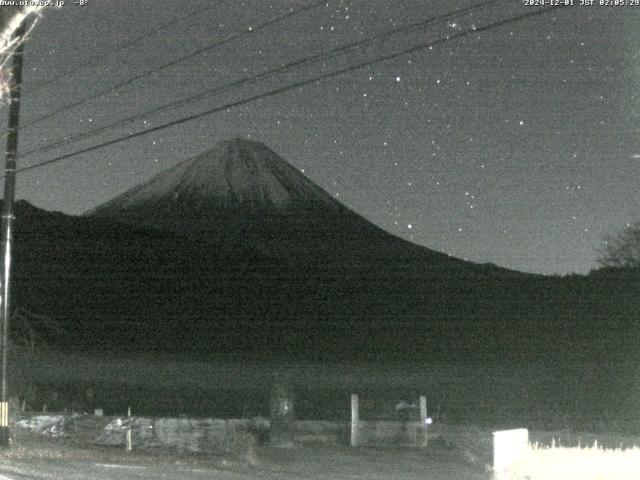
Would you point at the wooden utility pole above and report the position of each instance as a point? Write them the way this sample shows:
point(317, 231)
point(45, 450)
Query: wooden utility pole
point(15, 82)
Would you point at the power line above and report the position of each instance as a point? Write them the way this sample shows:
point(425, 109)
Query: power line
point(254, 78)
point(172, 63)
point(317, 79)
point(122, 46)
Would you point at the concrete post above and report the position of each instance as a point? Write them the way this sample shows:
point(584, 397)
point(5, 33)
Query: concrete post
point(354, 420)
point(423, 420)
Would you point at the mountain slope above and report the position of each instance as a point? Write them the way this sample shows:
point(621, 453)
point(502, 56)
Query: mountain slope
point(119, 288)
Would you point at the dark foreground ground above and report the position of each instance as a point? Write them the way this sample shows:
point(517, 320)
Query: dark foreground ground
point(585, 396)
point(33, 457)
point(455, 453)
point(469, 399)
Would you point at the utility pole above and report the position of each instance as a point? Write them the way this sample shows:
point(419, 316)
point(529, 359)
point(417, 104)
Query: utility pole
point(15, 82)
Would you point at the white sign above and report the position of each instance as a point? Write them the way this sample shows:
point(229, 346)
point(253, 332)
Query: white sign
point(509, 447)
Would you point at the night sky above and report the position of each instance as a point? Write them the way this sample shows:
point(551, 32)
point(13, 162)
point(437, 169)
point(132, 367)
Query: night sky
point(517, 145)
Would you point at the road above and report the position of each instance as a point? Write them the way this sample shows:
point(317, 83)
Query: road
point(305, 463)
point(68, 470)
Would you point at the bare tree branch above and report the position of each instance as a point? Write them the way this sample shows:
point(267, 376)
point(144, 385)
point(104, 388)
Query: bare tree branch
point(622, 250)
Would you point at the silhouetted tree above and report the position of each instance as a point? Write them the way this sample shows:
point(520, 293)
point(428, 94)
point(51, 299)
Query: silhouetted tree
point(622, 249)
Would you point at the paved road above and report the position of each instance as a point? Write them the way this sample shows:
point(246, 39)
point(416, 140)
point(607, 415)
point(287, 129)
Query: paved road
point(69, 470)
point(305, 463)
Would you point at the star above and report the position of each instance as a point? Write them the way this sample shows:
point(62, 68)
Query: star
point(455, 106)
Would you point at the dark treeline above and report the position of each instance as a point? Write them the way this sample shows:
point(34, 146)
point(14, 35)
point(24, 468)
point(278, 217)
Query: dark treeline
point(120, 288)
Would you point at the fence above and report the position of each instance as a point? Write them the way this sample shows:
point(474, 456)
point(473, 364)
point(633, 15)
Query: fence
point(206, 435)
point(214, 435)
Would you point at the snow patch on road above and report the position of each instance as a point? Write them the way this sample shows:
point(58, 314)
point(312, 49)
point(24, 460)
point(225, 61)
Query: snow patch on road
point(115, 465)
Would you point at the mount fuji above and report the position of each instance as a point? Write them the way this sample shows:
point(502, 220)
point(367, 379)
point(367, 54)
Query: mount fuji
point(243, 193)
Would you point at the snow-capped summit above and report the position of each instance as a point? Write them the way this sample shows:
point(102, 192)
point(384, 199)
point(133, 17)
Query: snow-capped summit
point(236, 175)
point(238, 193)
